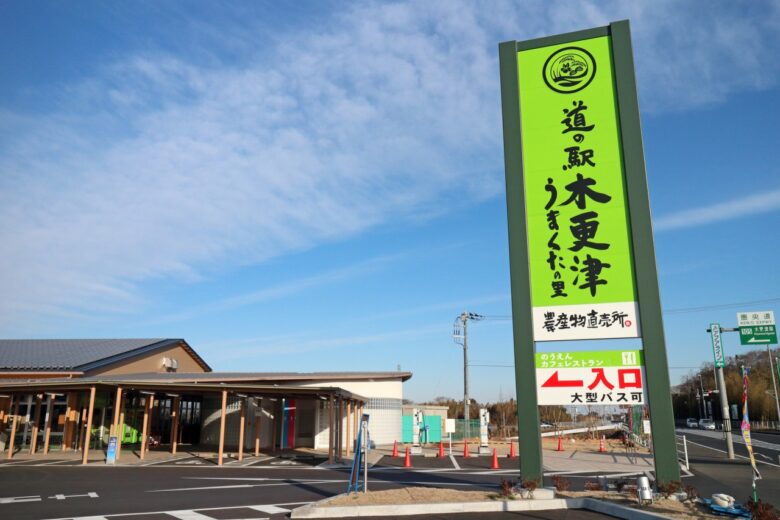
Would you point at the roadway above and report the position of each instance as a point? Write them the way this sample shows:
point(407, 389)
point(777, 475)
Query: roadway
point(46, 490)
point(766, 446)
point(714, 473)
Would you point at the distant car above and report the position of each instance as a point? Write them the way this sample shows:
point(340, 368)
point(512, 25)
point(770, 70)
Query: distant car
point(545, 425)
point(692, 423)
point(706, 424)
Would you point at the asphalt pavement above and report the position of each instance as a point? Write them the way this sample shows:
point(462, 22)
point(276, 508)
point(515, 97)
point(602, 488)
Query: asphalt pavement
point(195, 489)
point(713, 472)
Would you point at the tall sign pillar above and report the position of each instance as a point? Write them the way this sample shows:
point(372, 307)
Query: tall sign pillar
point(582, 257)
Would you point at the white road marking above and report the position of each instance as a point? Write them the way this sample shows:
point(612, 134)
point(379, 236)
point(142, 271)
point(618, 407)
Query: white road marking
point(716, 434)
point(188, 515)
point(199, 488)
point(18, 500)
point(270, 509)
point(17, 462)
point(56, 462)
point(199, 509)
point(740, 456)
point(454, 462)
point(90, 494)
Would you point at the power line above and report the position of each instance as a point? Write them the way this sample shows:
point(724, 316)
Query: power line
point(680, 310)
point(685, 310)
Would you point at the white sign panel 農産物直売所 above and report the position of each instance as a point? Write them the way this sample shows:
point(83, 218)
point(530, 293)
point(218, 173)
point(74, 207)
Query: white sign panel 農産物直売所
point(612, 377)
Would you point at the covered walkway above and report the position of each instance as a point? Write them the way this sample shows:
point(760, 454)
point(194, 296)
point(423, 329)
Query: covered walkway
point(124, 394)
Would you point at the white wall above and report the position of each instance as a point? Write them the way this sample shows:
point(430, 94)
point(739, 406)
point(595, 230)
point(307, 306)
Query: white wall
point(383, 407)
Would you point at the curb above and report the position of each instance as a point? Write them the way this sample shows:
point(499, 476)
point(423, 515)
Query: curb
point(319, 510)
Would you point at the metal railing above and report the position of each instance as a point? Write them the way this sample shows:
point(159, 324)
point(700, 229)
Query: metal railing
point(682, 450)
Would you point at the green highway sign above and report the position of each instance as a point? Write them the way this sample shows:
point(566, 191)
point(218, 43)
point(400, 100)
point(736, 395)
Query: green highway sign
point(757, 328)
point(760, 334)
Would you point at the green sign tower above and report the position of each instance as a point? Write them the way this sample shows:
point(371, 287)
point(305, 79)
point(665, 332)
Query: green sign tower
point(582, 257)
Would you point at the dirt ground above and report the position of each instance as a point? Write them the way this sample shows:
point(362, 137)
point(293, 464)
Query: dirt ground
point(667, 507)
point(616, 445)
point(419, 495)
point(409, 495)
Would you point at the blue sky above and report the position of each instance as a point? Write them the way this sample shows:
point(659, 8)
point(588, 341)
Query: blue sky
point(319, 185)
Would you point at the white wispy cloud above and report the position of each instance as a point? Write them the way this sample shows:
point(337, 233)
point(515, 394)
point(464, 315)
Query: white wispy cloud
point(763, 202)
point(163, 165)
point(244, 348)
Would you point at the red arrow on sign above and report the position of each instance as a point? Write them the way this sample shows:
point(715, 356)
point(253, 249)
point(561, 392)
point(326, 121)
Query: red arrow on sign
point(554, 382)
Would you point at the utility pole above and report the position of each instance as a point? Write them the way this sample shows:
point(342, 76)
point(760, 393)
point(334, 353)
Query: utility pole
point(461, 337)
point(466, 415)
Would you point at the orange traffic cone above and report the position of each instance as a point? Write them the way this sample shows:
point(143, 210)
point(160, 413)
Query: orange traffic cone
point(395, 448)
point(441, 449)
point(465, 450)
point(602, 448)
point(512, 452)
point(560, 444)
point(494, 465)
point(407, 459)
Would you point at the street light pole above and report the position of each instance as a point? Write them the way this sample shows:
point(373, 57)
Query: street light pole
point(703, 404)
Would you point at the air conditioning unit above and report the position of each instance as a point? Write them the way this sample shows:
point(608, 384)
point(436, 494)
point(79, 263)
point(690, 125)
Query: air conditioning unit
point(170, 364)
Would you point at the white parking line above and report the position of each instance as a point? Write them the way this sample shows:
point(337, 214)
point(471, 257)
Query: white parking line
point(260, 507)
point(188, 515)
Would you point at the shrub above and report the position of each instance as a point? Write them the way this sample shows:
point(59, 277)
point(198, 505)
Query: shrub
point(592, 486)
point(761, 510)
point(691, 491)
point(531, 486)
point(668, 489)
point(507, 488)
point(561, 483)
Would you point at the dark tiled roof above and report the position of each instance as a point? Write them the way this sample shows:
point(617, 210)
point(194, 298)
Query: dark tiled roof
point(234, 377)
point(258, 377)
point(67, 354)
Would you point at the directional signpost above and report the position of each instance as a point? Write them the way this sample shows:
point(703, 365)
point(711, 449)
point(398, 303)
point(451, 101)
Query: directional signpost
point(757, 328)
point(605, 377)
point(581, 251)
point(720, 362)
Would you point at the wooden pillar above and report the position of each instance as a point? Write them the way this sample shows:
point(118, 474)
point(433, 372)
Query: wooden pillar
point(49, 417)
point(241, 428)
point(14, 422)
point(331, 425)
point(36, 422)
point(88, 432)
point(120, 433)
point(117, 409)
point(145, 430)
point(258, 415)
point(175, 424)
point(67, 423)
point(222, 427)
